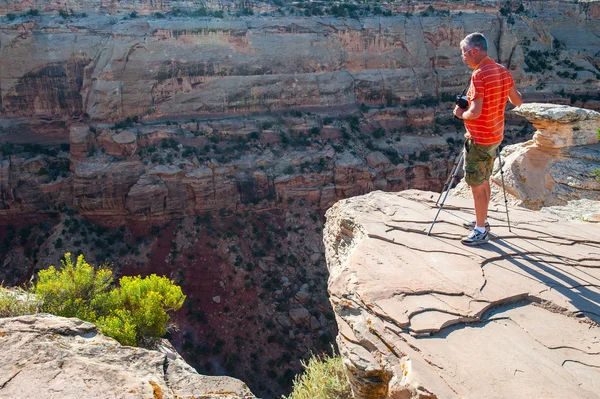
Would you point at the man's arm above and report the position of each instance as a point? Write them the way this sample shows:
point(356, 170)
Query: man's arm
point(515, 97)
point(473, 112)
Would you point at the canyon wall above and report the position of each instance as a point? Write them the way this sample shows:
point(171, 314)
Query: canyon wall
point(207, 81)
point(107, 68)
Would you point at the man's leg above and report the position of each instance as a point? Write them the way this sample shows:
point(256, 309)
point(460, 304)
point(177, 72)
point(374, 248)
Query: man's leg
point(479, 161)
point(481, 199)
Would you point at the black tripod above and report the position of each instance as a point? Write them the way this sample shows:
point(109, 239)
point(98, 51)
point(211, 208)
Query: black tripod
point(450, 182)
point(504, 188)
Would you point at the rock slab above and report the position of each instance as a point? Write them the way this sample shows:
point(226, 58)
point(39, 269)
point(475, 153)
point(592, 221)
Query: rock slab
point(45, 356)
point(426, 317)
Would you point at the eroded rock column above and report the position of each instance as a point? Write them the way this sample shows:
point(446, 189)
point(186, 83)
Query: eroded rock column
point(558, 164)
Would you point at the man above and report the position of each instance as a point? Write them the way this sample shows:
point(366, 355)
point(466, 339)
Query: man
point(491, 85)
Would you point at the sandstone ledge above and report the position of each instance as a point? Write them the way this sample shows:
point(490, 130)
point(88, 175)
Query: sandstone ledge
point(45, 356)
point(426, 317)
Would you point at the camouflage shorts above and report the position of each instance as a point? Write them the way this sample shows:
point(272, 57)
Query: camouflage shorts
point(479, 162)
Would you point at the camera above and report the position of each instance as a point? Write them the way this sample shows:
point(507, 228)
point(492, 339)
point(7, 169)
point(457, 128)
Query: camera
point(462, 102)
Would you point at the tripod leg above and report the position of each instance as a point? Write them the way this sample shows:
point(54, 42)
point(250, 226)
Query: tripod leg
point(447, 183)
point(504, 188)
point(456, 169)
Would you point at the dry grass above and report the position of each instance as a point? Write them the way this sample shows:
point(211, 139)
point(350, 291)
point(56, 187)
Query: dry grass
point(17, 302)
point(324, 377)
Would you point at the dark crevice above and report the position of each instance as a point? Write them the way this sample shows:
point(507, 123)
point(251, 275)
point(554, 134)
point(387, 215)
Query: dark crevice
point(526, 254)
point(388, 345)
point(10, 379)
point(575, 349)
point(391, 241)
point(577, 361)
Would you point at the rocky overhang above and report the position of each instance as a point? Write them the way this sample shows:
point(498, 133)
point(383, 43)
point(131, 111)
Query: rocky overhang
point(426, 317)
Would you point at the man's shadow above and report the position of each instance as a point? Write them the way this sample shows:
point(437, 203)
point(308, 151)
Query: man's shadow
point(552, 275)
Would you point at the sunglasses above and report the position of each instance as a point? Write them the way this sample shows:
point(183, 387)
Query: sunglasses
point(467, 52)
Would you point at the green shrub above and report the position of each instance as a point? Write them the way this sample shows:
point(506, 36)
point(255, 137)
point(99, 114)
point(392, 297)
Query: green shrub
point(537, 61)
point(379, 133)
point(323, 377)
point(142, 304)
point(77, 290)
point(136, 310)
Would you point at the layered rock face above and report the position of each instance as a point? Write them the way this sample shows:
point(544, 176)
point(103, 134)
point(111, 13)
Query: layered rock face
point(165, 171)
point(426, 317)
point(110, 68)
point(558, 164)
point(107, 6)
point(47, 356)
point(104, 68)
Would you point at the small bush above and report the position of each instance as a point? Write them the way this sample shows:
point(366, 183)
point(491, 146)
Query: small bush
point(323, 377)
point(537, 61)
point(138, 308)
point(127, 122)
point(379, 133)
point(135, 311)
point(201, 12)
point(78, 290)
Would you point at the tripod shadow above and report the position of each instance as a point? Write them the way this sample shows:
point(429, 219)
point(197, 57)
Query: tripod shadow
point(553, 276)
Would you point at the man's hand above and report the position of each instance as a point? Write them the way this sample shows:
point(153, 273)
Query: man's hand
point(467, 135)
point(515, 97)
point(458, 111)
point(471, 113)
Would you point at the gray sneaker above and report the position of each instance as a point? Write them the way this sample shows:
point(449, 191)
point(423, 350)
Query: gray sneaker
point(475, 238)
point(471, 225)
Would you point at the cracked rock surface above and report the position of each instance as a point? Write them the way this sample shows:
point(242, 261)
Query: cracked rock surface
point(426, 317)
point(45, 356)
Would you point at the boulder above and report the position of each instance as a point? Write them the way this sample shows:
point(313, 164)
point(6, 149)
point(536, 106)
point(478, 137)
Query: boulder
point(302, 296)
point(377, 160)
point(45, 356)
point(299, 315)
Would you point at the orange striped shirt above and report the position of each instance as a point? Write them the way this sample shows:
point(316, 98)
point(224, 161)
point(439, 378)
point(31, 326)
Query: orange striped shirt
point(492, 82)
